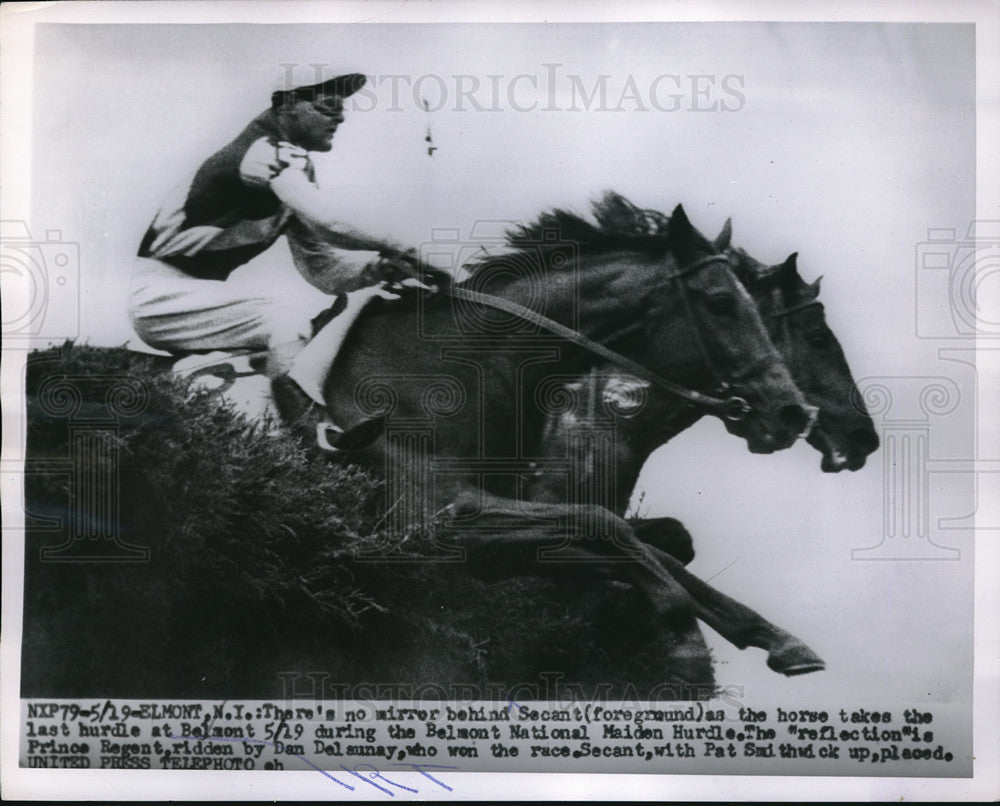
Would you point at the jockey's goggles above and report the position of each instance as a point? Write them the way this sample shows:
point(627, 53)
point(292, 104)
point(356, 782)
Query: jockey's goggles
point(329, 105)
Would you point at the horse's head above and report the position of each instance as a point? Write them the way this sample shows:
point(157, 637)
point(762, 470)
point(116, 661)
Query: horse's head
point(705, 329)
point(843, 433)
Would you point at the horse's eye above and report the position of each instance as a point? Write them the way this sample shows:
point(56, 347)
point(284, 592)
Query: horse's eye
point(721, 304)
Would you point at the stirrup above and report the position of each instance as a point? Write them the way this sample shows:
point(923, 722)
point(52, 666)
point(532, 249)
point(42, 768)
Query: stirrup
point(322, 440)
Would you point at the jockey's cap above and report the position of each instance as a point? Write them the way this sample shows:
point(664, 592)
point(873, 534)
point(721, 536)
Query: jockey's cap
point(342, 86)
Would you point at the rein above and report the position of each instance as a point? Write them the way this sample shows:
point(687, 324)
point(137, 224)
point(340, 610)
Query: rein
point(732, 408)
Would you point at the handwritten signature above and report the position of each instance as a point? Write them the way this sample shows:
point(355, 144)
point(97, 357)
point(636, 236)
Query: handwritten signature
point(371, 777)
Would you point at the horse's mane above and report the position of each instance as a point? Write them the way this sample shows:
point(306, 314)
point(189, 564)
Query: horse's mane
point(556, 236)
point(617, 225)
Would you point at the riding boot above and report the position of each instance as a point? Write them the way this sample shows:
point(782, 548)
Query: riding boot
point(301, 412)
point(311, 366)
point(298, 389)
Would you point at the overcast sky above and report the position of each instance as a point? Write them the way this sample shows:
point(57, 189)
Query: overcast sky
point(844, 142)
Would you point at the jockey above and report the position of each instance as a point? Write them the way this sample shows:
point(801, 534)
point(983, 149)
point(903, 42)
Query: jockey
point(238, 203)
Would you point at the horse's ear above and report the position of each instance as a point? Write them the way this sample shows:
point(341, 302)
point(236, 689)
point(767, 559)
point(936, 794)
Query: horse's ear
point(788, 274)
point(680, 228)
point(792, 283)
point(722, 241)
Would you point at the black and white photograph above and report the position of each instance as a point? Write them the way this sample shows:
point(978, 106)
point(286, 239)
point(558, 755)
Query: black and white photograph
point(412, 397)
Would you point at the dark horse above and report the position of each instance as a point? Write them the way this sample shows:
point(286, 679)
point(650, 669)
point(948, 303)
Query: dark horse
point(607, 424)
point(844, 433)
point(646, 418)
point(459, 388)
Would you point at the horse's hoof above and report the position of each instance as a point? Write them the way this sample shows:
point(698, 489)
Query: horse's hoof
point(804, 668)
point(794, 658)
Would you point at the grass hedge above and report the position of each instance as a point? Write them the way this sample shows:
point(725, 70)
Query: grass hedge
point(258, 568)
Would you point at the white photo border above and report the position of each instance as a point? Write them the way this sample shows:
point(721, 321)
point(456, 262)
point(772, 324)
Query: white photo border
point(16, 64)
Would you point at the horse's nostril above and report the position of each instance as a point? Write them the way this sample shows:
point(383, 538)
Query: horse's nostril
point(795, 417)
point(863, 441)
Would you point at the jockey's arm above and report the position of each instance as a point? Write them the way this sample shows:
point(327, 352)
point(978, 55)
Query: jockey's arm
point(321, 209)
point(358, 256)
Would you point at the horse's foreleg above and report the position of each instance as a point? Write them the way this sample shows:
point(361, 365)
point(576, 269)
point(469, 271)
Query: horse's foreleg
point(666, 534)
point(503, 538)
point(740, 625)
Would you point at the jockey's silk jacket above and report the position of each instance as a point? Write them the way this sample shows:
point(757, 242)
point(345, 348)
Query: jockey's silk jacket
point(220, 218)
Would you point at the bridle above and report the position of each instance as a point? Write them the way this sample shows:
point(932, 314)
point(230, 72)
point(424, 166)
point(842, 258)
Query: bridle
point(793, 308)
point(732, 408)
point(780, 313)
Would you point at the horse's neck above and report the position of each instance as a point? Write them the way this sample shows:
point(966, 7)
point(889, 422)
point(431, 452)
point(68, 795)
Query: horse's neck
point(601, 297)
point(640, 424)
point(662, 417)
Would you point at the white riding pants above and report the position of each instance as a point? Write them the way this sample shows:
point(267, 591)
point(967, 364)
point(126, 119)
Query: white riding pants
point(173, 311)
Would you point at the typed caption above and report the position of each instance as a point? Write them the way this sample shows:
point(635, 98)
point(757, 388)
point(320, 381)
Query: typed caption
point(489, 737)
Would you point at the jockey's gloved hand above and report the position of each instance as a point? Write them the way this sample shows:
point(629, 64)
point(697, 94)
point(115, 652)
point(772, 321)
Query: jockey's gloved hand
point(266, 158)
point(406, 268)
point(394, 268)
